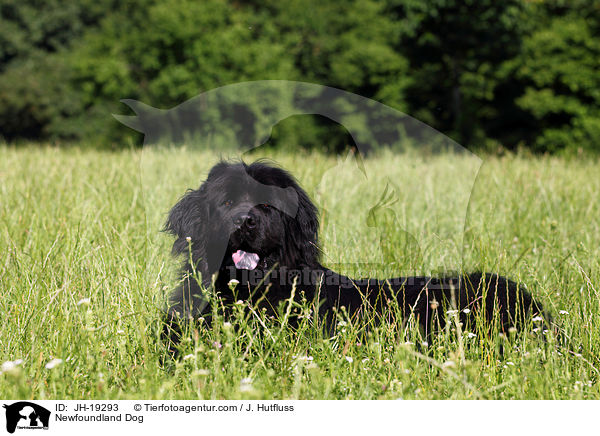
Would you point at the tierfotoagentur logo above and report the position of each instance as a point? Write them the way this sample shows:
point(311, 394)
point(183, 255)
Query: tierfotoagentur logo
point(25, 415)
point(239, 120)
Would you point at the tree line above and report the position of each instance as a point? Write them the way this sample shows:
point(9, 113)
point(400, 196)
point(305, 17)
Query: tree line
point(490, 74)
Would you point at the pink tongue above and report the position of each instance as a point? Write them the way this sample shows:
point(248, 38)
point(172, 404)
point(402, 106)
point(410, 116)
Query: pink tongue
point(245, 260)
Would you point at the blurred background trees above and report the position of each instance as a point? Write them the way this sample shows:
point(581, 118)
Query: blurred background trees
point(491, 75)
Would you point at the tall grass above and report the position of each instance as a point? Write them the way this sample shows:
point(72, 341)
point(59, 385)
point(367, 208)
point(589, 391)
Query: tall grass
point(84, 273)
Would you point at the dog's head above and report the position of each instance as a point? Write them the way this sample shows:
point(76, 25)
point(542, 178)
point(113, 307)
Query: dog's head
point(251, 216)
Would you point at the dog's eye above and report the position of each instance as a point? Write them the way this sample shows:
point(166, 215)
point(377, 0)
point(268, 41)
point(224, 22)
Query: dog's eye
point(227, 203)
point(265, 206)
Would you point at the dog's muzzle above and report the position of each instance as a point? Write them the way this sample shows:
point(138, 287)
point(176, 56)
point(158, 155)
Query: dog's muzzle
point(245, 220)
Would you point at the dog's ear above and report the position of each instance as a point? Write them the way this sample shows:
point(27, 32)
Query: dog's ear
point(187, 220)
point(301, 245)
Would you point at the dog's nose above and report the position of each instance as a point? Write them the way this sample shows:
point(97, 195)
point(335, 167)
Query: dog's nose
point(246, 219)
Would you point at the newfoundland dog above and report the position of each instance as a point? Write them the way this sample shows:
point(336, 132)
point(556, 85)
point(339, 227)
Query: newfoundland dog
point(250, 233)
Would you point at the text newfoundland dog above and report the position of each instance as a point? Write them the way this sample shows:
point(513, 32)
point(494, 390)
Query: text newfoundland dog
point(252, 233)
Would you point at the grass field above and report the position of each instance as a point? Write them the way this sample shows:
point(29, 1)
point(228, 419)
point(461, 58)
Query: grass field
point(84, 272)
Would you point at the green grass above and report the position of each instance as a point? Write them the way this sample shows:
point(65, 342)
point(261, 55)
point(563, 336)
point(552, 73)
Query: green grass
point(78, 224)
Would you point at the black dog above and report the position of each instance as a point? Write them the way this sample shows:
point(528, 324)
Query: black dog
point(254, 224)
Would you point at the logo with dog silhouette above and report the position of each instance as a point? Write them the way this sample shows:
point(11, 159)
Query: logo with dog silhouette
point(26, 415)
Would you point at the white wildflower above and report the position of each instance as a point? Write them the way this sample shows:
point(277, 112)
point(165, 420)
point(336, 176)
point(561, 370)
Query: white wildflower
point(9, 365)
point(188, 356)
point(303, 358)
point(537, 319)
point(349, 359)
point(84, 301)
point(246, 385)
point(466, 310)
point(563, 312)
point(53, 363)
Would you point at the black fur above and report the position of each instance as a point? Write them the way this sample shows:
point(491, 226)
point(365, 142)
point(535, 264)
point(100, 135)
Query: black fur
point(280, 223)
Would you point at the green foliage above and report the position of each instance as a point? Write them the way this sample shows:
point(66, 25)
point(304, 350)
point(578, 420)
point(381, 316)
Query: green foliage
point(194, 47)
point(559, 70)
point(455, 48)
point(516, 72)
point(38, 98)
point(85, 272)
